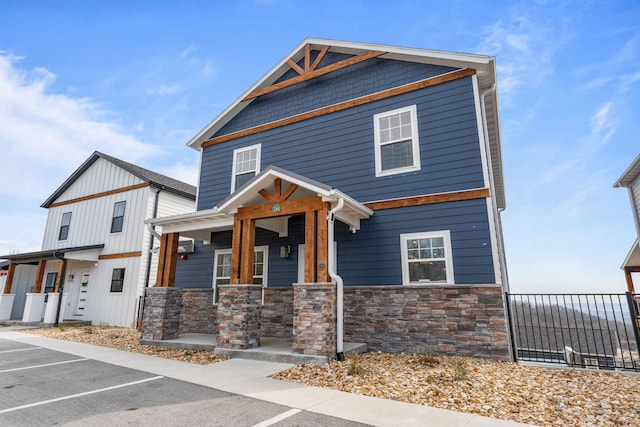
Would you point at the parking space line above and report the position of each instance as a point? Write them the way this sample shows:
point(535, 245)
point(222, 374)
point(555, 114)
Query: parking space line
point(45, 365)
point(21, 349)
point(278, 418)
point(73, 396)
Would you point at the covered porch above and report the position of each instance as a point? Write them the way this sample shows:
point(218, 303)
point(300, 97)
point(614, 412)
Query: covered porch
point(267, 201)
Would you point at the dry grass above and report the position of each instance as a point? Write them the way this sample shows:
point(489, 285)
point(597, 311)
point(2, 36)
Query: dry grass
point(125, 339)
point(527, 394)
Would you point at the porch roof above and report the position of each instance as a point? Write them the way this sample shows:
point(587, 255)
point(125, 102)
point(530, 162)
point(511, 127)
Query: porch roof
point(199, 224)
point(633, 257)
point(75, 252)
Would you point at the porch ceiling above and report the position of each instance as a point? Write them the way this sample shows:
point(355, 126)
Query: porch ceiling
point(633, 257)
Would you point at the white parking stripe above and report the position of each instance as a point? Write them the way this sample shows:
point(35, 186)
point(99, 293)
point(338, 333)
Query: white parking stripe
point(278, 418)
point(73, 396)
point(21, 349)
point(42, 366)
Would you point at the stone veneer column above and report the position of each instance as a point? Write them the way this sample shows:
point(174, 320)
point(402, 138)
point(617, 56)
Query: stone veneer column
point(314, 319)
point(161, 318)
point(239, 309)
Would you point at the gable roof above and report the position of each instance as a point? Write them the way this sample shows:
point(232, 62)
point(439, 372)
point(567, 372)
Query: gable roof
point(629, 174)
point(485, 71)
point(154, 179)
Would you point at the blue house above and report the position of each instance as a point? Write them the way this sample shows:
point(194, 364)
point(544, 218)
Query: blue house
point(353, 193)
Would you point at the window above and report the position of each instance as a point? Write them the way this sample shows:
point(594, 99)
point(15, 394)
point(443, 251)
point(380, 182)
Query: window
point(396, 141)
point(426, 258)
point(50, 282)
point(246, 164)
point(118, 217)
point(222, 268)
point(117, 280)
point(64, 226)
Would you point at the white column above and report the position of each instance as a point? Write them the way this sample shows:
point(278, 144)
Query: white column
point(33, 307)
point(52, 307)
point(6, 305)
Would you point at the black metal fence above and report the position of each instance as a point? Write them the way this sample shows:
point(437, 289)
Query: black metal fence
point(598, 331)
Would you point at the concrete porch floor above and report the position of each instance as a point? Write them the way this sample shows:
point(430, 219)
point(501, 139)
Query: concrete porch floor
point(270, 350)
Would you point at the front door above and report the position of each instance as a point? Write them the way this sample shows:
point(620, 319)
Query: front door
point(82, 294)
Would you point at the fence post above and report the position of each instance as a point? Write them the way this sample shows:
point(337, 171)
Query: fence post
point(633, 310)
point(510, 322)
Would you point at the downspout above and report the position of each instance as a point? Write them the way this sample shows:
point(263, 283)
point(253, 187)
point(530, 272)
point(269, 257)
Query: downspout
point(153, 232)
point(63, 273)
point(339, 282)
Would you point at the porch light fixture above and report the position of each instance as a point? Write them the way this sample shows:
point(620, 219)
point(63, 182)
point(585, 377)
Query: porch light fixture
point(285, 251)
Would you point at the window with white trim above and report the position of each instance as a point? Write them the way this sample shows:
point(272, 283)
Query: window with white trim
point(246, 164)
point(117, 280)
point(396, 141)
point(426, 258)
point(222, 268)
point(64, 226)
point(117, 220)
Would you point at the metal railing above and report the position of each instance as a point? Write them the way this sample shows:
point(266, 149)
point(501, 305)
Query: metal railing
point(598, 331)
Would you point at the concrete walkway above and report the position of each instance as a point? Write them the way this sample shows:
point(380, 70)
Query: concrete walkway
point(249, 378)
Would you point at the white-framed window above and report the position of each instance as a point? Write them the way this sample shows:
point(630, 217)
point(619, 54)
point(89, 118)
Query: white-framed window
point(117, 220)
point(246, 164)
point(117, 280)
point(64, 226)
point(222, 268)
point(426, 258)
point(397, 149)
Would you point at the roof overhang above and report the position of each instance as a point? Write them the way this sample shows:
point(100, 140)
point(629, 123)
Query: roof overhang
point(82, 253)
point(200, 224)
point(484, 65)
point(630, 174)
point(633, 257)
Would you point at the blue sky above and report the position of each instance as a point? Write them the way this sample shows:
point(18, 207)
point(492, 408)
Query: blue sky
point(137, 80)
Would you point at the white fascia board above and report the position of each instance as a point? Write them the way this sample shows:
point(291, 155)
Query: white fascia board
point(633, 257)
point(202, 225)
point(629, 174)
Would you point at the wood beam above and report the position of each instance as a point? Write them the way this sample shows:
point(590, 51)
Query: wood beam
point(313, 73)
point(161, 260)
point(289, 192)
point(288, 207)
point(37, 286)
point(310, 246)
point(429, 199)
point(171, 258)
point(266, 195)
point(236, 245)
point(295, 66)
point(307, 58)
point(247, 251)
point(98, 195)
point(431, 81)
point(9, 280)
point(59, 278)
point(322, 244)
point(629, 278)
point(277, 188)
point(321, 55)
point(120, 255)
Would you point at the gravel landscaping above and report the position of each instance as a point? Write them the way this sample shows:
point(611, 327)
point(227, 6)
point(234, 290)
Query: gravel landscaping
point(528, 394)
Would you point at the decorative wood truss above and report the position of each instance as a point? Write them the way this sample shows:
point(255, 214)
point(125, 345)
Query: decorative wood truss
point(311, 69)
point(278, 205)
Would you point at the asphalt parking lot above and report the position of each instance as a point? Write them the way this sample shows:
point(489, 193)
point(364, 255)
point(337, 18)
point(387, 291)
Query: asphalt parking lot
point(41, 387)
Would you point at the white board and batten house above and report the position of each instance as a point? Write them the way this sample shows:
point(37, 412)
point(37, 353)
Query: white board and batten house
point(96, 245)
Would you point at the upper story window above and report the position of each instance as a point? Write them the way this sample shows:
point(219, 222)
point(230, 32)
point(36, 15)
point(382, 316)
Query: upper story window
point(64, 226)
point(246, 164)
point(426, 258)
point(118, 217)
point(117, 280)
point(396, 141)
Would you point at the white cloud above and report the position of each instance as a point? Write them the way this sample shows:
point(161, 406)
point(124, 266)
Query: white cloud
point(45, 135)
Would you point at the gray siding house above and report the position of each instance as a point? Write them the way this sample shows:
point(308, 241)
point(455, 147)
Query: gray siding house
point(352, 193)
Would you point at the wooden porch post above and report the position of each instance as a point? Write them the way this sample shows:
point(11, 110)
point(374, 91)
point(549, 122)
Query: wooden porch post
point(9, 281)
point(310, 247)
point(59, 280)
point(247, 251)
point(236, 245)
point(37, 286)
point(167, 260)
point(629, 279)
